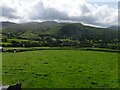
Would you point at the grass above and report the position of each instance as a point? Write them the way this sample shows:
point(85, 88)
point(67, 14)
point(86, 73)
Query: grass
point(14, 48)
point(61, 69)
point(5, 43)
point(0, 68)
point(60, 48)
point(104, 49)
point(10, 40)
point(44, 48)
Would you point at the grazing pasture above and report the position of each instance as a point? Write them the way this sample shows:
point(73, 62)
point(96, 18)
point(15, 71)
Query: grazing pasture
point(61, 69)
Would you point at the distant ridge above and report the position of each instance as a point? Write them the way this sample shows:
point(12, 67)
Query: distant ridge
point(33, 30)
point(7, 23)
point(30, 23)
point(49, 23)
point(113, 27)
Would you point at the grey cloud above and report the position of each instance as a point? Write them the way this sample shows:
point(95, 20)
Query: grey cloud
point(119, 13)
point(90, 14)
point(119, 5)
point(9, 12)
point(88, 20)
point(39, 12)
point(85, 19)
point(43, 13)
point(84, 9)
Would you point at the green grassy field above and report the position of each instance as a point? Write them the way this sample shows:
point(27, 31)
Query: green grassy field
point(61, 69)
point(59, 48)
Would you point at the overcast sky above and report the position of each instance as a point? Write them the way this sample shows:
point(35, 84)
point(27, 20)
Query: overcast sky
point(103, 13)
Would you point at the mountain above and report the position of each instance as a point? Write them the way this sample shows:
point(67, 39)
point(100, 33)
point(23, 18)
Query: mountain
point(113, 27)
point(61, 30)
point(77, 30)
point(45, 23)
point(30, 23)
point(7, 24)
point(49, 23)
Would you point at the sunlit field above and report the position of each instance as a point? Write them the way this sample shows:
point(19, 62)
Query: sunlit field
point(61, 69)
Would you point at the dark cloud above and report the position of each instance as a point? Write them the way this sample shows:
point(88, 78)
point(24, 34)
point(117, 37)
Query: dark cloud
point(84, 19)
point(9, 12)
point(84, 9)
point(119, 5)
point(43, 13)
point(119, 14)
point(87, 20)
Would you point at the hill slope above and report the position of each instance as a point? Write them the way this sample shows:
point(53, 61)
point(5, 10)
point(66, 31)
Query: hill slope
point(113, 27)
point(62, 30)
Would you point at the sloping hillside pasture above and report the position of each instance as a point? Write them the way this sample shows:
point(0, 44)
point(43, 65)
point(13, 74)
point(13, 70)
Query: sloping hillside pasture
point(61, 69)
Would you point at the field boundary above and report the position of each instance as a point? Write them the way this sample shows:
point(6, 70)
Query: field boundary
point(101, 50)
point(83, 49)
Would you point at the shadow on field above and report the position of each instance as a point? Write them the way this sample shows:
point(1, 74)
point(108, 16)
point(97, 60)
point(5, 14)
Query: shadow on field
point(23, 50)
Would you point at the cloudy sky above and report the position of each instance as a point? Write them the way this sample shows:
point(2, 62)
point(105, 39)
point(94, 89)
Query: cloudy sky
point(102, 13)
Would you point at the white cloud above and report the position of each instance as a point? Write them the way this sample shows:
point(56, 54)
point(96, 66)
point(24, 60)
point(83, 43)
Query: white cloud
point(102, 0)
point(60, 10)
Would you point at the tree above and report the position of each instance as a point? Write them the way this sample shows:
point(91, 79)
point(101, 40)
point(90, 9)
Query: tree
point(16, 44)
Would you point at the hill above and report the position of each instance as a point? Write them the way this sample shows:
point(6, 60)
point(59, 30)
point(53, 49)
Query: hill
point(7, 24)
point(61, 30)
point(113, 27)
